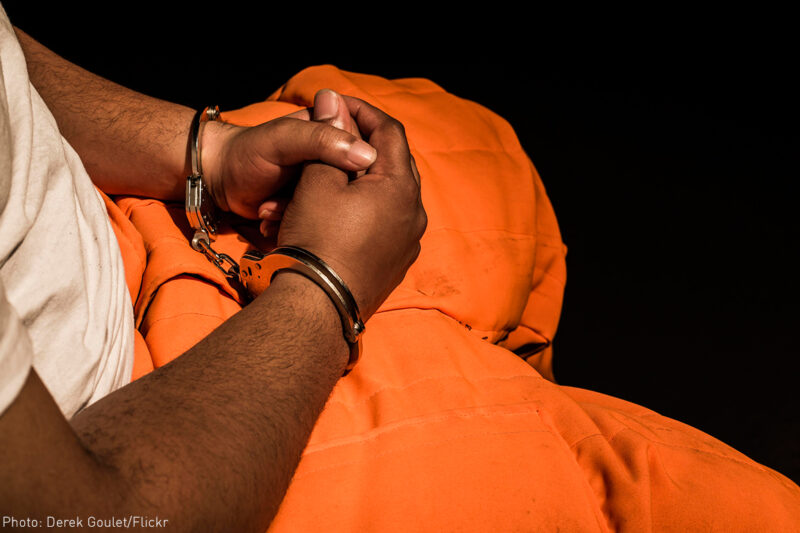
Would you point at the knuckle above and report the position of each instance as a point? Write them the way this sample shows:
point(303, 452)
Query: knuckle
point(394, 126)
point(406, 191)
point(319, 136)
point(325, 138)
point(422, 221)
point(283, 124)
point(283, 129)
point(414, 255)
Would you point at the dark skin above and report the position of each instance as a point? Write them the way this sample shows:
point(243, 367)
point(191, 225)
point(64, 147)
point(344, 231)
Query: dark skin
point(131, 143)
point(211, 440)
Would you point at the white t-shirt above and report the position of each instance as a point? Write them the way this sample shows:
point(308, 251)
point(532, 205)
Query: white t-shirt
point(64, 304)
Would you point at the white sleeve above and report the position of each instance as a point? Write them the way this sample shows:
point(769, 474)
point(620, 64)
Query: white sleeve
point(16, 352)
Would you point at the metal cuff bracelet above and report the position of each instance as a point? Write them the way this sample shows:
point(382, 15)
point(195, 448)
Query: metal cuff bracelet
point(256, 270)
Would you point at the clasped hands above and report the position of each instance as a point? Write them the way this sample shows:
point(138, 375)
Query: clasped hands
point(368, 228)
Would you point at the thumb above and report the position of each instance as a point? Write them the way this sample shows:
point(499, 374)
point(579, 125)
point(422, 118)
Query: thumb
point(330, 107)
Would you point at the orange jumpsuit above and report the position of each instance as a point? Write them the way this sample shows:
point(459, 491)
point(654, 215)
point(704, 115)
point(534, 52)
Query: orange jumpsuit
point(442, 426)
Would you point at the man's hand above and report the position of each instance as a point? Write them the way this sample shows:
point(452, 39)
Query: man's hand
point(329, 108)
point(367, 229)
point(246, 167)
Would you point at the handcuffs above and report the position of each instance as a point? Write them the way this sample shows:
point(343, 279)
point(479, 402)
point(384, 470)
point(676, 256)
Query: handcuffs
point(257, 268)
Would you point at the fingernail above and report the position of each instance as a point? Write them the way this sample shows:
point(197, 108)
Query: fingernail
point(362, 154)
point(326, 105)
point(270, 216)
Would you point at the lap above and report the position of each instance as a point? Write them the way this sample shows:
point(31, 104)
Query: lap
point(443, 431)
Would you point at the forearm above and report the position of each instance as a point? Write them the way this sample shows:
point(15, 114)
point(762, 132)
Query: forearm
point(129, 143)
point(211, 440)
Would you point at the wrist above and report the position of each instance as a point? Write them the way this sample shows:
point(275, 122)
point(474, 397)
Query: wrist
point(214, 138)
point(314, 309)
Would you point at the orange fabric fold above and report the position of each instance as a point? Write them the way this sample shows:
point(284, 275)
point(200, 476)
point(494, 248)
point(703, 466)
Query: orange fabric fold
point(441, 426)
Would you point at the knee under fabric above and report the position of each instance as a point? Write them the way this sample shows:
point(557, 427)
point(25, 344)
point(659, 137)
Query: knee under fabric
point(441, 426)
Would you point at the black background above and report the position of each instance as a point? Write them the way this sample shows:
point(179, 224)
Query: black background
point(669, 150)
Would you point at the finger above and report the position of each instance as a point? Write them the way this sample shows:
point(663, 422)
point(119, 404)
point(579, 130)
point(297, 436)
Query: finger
point(272, 216)
point(329, 107)
point(414, 169)
point(251, 233)
point(297, 141)
point(385, 133)
point(368, 117)
point(269, 228)
point(273, 208)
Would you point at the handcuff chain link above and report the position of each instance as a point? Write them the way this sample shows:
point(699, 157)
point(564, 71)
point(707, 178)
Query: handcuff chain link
point(201, 243)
